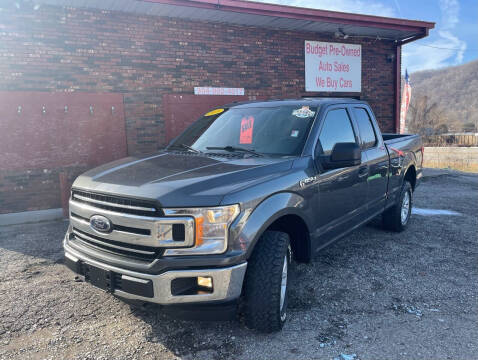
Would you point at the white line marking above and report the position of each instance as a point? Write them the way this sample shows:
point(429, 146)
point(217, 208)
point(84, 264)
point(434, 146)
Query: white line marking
point(431, 212)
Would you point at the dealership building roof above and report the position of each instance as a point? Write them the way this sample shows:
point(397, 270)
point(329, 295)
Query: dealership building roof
point(266, 15)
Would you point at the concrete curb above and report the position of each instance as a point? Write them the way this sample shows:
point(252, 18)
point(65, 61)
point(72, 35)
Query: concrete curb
point(31, 216)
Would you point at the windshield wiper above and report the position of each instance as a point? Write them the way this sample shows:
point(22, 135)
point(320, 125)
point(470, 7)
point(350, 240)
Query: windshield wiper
point(188, 148)
point(234, 149)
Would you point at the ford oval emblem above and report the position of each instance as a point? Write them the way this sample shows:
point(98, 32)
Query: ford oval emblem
point(100, 223)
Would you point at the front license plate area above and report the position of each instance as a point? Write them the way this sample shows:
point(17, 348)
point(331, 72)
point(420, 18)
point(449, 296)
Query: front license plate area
point(98, 277)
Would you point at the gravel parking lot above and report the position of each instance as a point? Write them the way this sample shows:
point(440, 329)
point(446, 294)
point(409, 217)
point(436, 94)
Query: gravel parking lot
point(371, 295)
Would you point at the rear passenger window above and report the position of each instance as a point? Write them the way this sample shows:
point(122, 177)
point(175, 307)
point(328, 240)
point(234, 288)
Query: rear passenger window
point(337, 129)
point(367, 133)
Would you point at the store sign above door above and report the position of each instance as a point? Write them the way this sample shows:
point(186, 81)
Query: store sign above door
point(333, 67)
point(218, 91)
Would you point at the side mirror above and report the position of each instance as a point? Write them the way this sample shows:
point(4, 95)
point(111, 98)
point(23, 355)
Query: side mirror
point(342, 155)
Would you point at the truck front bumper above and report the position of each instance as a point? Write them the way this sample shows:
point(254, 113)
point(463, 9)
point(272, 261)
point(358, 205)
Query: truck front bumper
point(160, 289)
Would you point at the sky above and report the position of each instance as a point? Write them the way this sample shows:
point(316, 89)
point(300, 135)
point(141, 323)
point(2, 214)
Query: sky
point(453, 41)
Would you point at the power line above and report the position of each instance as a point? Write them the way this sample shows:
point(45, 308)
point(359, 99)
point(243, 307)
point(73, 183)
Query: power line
point(445, 48)
point(346, 36)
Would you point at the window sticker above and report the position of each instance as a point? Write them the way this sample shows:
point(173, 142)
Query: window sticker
point(294, 133)
point(247, 127)
point(303, 112)
point(214, 112)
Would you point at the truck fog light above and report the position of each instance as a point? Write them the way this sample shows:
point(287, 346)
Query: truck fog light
point(205, 281)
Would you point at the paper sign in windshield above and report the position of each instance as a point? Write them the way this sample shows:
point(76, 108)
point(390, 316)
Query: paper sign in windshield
point(247, 126)
point(303, 112)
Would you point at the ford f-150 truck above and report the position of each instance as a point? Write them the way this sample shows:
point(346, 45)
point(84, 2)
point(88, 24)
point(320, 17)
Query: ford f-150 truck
point(217, 217)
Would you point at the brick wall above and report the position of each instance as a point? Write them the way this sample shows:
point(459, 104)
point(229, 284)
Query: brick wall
point(34, 189)
point(145, 57)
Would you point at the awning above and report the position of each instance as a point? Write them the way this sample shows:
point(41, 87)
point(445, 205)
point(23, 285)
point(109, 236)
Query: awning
point(271, 16)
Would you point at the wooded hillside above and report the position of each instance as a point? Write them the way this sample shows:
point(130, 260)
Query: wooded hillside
point(444, 100)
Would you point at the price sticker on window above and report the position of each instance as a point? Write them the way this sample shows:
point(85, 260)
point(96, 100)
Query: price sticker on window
point(247, 127)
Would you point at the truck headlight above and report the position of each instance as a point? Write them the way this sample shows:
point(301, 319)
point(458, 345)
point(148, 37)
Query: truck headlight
point(211, 229)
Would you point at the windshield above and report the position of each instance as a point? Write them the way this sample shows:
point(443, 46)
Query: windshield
point(278, 130)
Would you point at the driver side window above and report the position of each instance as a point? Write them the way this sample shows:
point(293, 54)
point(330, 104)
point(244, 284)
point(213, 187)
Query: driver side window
point(337, 128)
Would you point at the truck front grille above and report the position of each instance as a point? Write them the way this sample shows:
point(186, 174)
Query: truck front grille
point(140, 252)
point(116, 203)
point(135, 229)
point(124, 229)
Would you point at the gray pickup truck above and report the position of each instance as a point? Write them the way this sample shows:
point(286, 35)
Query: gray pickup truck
point(215, 219)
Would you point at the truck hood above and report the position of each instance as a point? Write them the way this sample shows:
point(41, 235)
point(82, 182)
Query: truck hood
point(181, 179)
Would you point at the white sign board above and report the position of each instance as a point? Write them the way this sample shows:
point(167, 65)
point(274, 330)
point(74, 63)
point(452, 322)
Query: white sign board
point(333, 67)
point(218, 91)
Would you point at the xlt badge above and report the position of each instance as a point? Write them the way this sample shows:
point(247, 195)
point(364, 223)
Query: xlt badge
point(306, 181)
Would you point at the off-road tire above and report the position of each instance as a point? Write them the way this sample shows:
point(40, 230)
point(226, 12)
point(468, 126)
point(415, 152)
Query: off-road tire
point(262, 288)
point(392, 218)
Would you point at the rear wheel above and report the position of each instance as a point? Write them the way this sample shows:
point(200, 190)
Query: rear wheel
point(266, 282)
point(397, 217)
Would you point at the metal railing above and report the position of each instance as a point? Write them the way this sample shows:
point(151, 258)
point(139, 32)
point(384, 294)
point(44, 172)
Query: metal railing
point(458, 140)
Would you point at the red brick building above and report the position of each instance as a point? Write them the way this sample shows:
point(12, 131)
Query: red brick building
point(85, 82)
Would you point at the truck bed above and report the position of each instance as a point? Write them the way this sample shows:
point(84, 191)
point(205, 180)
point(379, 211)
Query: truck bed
point(391, 138)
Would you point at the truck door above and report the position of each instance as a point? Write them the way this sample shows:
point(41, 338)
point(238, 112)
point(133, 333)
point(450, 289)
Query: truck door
point(342, 192)
point(377, 159)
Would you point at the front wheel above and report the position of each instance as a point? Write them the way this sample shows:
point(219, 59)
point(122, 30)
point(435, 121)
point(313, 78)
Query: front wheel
point(266, 283)
point(397, 217)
